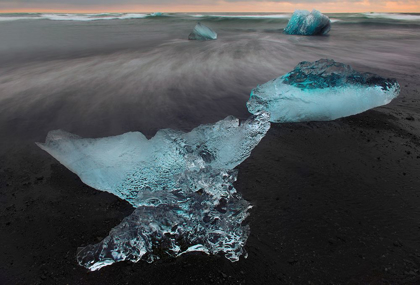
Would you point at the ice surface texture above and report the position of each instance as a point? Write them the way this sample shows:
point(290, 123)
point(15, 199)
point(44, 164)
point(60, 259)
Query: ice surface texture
point(202, 33)
point(201, 221)
point(308, 23)
point(180, 183)
point(320, 91)
point(134, 168)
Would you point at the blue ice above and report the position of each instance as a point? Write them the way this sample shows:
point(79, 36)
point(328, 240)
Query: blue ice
point(180, 183)
point(308, 23)
point(321, 91)
point(202, 32)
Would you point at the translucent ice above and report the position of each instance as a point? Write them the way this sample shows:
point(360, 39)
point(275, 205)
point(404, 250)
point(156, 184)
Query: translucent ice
point(308, 23)
point(199, 221)
point(320, 91)
point(134, 168)
point(180, 183)
point(202, 33)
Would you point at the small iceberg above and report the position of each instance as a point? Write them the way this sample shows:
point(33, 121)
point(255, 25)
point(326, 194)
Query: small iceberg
point(181, 185)
point(321, 91)
point(308, 23)
point(202, 33)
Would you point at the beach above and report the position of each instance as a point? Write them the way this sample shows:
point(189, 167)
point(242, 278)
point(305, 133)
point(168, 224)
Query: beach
point(333, 202)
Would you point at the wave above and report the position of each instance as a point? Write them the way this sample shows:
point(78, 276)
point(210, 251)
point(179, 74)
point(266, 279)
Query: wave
point(392, 16)
point(350, 18)
point(11, 18)
point(244, 16)
point(91, 17)
point(80, 17)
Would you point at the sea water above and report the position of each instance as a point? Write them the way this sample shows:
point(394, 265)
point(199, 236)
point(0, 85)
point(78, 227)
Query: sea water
point(98, 75)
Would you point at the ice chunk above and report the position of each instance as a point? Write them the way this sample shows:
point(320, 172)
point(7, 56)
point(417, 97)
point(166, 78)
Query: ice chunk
point(308, 23)
point(320, 91)
point(201, 222)
point(133, 168)
point(202, 33)
point(180, 183)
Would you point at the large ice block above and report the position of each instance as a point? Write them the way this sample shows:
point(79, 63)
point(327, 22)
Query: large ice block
point(321, 91)
point(180, 183)
point(308, 23)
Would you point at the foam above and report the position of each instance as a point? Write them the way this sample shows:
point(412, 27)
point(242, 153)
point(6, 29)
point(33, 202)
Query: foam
point(91, 17)
point(274, 16)
point(399, 17)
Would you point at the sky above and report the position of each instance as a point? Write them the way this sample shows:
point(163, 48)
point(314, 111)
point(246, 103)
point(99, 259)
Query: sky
point(95, 6)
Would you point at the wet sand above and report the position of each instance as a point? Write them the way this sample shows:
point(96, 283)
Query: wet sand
point(334, 203)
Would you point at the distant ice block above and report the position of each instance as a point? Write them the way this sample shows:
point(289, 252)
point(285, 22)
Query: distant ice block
point(321, 91)
point(202, 32)
point(180, 183)
point(308, 23)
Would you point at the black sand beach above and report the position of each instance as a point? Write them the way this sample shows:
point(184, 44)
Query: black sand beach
point(334, 202)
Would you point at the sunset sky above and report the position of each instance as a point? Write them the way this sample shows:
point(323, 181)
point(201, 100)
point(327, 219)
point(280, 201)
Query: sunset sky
point(93, 6)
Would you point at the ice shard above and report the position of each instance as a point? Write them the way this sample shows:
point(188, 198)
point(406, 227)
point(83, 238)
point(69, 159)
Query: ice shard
point(202, 33)
point(180, 183)
point(308, 23)
point(321, 91)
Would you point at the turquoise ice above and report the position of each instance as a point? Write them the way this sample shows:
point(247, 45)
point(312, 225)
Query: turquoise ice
point(321, 91)
point(308, 23)
point(202, 33)
point(180, 183)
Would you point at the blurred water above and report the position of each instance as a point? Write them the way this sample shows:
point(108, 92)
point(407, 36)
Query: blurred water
point(105, 77)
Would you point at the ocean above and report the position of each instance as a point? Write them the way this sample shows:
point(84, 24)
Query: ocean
point(105, 74)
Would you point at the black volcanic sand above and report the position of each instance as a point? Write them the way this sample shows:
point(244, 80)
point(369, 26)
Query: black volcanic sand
point(334, 203)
